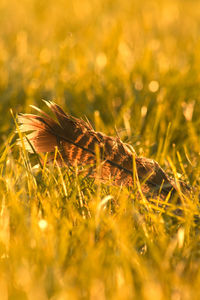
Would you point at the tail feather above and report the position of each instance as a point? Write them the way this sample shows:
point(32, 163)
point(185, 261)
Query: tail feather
point(77, 142)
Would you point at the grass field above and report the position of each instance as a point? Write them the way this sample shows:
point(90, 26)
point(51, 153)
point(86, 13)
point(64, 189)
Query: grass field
point(131, 66)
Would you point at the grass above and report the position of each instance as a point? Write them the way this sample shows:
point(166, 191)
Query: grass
point(130, 66)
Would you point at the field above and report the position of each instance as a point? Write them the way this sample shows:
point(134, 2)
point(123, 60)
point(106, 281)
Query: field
point(133, 68)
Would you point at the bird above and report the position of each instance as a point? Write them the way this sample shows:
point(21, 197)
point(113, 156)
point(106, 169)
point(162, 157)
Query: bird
point(104, 157)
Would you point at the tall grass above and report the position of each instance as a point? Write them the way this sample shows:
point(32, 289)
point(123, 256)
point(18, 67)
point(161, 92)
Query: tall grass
point(131, 67)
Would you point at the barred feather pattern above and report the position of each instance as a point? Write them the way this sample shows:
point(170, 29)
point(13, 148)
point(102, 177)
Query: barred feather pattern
point(77, 143)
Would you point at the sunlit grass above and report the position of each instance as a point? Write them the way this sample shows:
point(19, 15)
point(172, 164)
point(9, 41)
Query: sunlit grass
point(131, 67)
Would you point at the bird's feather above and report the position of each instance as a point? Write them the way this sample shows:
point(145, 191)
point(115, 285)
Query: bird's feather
point(78, 144)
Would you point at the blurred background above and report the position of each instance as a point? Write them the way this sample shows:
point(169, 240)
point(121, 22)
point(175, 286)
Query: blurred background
point(133, 68)
point(134, 65)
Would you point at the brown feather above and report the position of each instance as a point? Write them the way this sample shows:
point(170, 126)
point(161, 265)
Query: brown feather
point(77, 142)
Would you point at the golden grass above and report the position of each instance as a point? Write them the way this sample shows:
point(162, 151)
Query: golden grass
point(129, 65)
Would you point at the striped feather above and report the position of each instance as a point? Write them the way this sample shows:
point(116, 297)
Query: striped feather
point(77, 142)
